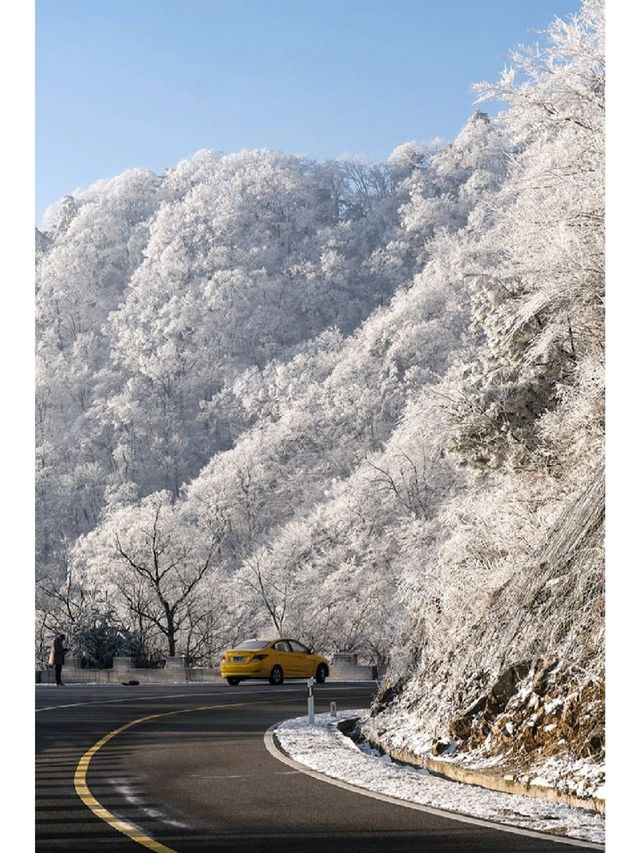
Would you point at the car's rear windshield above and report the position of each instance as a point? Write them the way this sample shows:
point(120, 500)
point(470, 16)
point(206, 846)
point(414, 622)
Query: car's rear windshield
point(252, 644)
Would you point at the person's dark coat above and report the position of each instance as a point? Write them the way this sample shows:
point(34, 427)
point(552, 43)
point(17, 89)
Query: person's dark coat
point(56, 655)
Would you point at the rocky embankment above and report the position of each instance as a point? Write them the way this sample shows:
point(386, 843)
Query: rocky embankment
point(538, 720)
point(533, 732)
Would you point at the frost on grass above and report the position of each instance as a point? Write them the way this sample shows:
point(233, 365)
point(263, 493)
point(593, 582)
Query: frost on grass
point(324, 749)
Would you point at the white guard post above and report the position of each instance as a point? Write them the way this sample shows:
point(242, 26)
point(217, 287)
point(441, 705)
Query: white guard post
point(334, 710)
point(310, 701)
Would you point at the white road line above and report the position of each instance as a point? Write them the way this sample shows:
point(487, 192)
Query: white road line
point(131, 830)
point(138, 699)
point(241, 692)
point(272, 748)
point(139, 803)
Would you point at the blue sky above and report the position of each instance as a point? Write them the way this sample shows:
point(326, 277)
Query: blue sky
point(144, 83)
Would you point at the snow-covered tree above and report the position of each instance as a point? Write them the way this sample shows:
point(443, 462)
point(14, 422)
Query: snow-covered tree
point(357, 403)
point(151, 561)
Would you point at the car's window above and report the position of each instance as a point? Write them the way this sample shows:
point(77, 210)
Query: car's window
point(281, 646)
point(298, 647)
point(252, 644)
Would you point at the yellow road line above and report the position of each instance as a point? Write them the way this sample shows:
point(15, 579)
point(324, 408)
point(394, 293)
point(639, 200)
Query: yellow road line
point(83, 791)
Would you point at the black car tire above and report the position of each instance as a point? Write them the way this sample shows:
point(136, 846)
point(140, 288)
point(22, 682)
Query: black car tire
point(321, 673)
point(277, 675)
point(233, 681)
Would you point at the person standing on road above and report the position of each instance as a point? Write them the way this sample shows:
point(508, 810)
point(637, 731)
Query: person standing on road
point(56, 657)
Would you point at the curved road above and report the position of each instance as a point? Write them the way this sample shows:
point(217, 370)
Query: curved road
point(204, 781)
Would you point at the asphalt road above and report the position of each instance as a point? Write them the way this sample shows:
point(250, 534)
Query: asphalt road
point(204, 781)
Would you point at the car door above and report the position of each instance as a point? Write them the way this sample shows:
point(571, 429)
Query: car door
point(301, 660)
point(285, 658)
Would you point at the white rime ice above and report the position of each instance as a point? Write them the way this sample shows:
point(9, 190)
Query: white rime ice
point(361, 405)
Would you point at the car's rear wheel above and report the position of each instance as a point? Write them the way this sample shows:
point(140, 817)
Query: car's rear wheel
point(233, 681)
point(321, 673)
point(277, 675)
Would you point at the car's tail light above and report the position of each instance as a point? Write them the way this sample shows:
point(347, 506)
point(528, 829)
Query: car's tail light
point(259, 657)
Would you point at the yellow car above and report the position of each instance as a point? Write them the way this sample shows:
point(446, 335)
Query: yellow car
point(272, 659)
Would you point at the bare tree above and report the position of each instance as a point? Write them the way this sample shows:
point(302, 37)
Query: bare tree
point(271, 585)
point(166, 566)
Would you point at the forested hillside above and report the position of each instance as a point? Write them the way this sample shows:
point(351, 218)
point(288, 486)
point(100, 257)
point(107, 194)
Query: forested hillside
point(360, 405)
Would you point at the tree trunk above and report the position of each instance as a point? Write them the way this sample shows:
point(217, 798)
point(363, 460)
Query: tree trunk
point(171, 629)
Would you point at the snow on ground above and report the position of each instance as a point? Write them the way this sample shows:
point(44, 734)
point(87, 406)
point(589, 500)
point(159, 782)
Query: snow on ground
point(325, 749)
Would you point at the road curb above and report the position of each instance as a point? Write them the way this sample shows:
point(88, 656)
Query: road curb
point(276, 749)
point(486, 779)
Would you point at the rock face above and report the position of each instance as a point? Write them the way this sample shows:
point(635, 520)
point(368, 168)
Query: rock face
point(505, 687)
point(478, 720)
point(440, 746)
point(461, 727)
point(543, 676)
point(534, 711)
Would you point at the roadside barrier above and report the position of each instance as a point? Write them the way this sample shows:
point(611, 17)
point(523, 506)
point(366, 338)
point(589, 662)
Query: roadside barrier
point(343, 667)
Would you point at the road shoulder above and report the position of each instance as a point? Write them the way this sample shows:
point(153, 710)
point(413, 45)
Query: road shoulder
point(324, 752)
